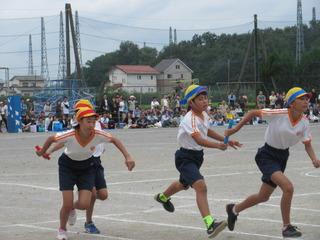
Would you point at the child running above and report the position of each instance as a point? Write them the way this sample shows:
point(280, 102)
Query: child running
point(192, 137)
point(100, 190)
point(286, 128)
point(77, 165)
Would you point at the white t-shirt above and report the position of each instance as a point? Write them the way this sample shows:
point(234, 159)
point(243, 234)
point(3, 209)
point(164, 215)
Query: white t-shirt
point(191, 125)
point(80, 151)
point(65, 107)
point(282, 132)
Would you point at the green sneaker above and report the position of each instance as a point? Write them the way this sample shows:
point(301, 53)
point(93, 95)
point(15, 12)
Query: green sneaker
point(166, 205)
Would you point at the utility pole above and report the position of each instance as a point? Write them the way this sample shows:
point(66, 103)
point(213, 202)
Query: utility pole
point(170, 36)
point(255, 42)
point(228, 67)
point(30, 60)
point(299, 36)
point(62, 55)
point(44, 60)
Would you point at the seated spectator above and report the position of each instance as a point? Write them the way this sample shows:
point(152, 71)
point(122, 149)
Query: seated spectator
point(47, 122)
point(166, 119)
point(142, 122)
point(313, 114)
point(229, 115)
point(238, 110)
point(105, 119)
point(26, 123)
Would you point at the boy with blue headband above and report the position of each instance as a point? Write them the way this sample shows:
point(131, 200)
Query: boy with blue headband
point(192, 137)
point(286, 128)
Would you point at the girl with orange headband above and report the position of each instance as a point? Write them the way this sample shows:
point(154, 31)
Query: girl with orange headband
point(286, 127)
point(76, 164)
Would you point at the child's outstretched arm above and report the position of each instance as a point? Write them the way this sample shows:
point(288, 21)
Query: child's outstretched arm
point(232, 143)
point(210, 144)
point(129, 160)
point(46, 145)
point(55, 148)
point(247, 117)
point(309, 149)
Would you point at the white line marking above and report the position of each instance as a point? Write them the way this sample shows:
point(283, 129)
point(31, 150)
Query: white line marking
point(77, 233)
point(30, 186)
point(185, 227)
point(313, 174)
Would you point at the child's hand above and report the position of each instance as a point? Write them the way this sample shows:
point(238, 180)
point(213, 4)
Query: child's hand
point(130, 163)
point(222, 146)
point(316, 163)
point(235, 144)
point(39, 153)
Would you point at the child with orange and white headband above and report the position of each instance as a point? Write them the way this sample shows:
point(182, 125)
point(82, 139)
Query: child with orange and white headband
point(76, 164)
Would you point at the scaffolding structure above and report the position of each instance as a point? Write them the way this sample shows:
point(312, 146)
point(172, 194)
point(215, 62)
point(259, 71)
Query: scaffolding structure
point(66, 85)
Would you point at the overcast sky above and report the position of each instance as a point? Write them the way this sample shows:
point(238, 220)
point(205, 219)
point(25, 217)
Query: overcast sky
point(100, 32)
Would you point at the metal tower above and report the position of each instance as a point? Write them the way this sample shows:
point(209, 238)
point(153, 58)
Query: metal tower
point(314, 14)
point(44, 60)
point(78, 37)
point(175, 36)
point(30, 60)
point(300, 38)
point(170, 36)
point(62, 54)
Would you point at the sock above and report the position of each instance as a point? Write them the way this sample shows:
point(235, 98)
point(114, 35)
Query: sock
point(208, 220)
point(163, 197)
point(284, 227)
point(234, 210)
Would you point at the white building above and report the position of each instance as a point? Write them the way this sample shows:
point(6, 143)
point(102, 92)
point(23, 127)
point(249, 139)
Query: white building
point(26, 85)
point(134, 78)
point(172, 71)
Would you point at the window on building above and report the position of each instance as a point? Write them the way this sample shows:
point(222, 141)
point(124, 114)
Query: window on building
point(139, 77)
point(181, 76)
point(151, 77)
point(25, 84)
point(169, 76)
point(177, 66)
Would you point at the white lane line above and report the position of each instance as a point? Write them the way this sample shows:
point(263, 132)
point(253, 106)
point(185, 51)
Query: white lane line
point(185, 227)
point(293, 208)
point(313, 174)
point(30, 186)
point(73, 232)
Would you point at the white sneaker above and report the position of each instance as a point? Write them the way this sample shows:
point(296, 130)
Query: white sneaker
point(72, 217)
point(62, 234)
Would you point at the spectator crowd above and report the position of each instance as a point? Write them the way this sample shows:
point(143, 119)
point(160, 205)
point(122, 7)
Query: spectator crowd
point(121, 112)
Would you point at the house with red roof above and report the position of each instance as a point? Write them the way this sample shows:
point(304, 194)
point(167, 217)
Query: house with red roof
point(134, 78)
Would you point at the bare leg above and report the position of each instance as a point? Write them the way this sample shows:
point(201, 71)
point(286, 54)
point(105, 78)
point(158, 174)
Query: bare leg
point(262, 196)
point(67, 205)
point(173, 188)
point(84, 199)
point(101, 194)
point(287, 193)
point(201, 195)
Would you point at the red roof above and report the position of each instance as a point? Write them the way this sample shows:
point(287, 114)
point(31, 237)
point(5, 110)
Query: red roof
point(137, 69)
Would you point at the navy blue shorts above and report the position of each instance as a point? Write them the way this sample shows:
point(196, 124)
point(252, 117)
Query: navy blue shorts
point(80, 173)
point(188, 163)
point(100, 181)
point(271, 160)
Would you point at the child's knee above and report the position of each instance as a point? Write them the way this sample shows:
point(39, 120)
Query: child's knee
point(288, 189)
point(102, 194)
point(200, 186)
point(83, 205)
